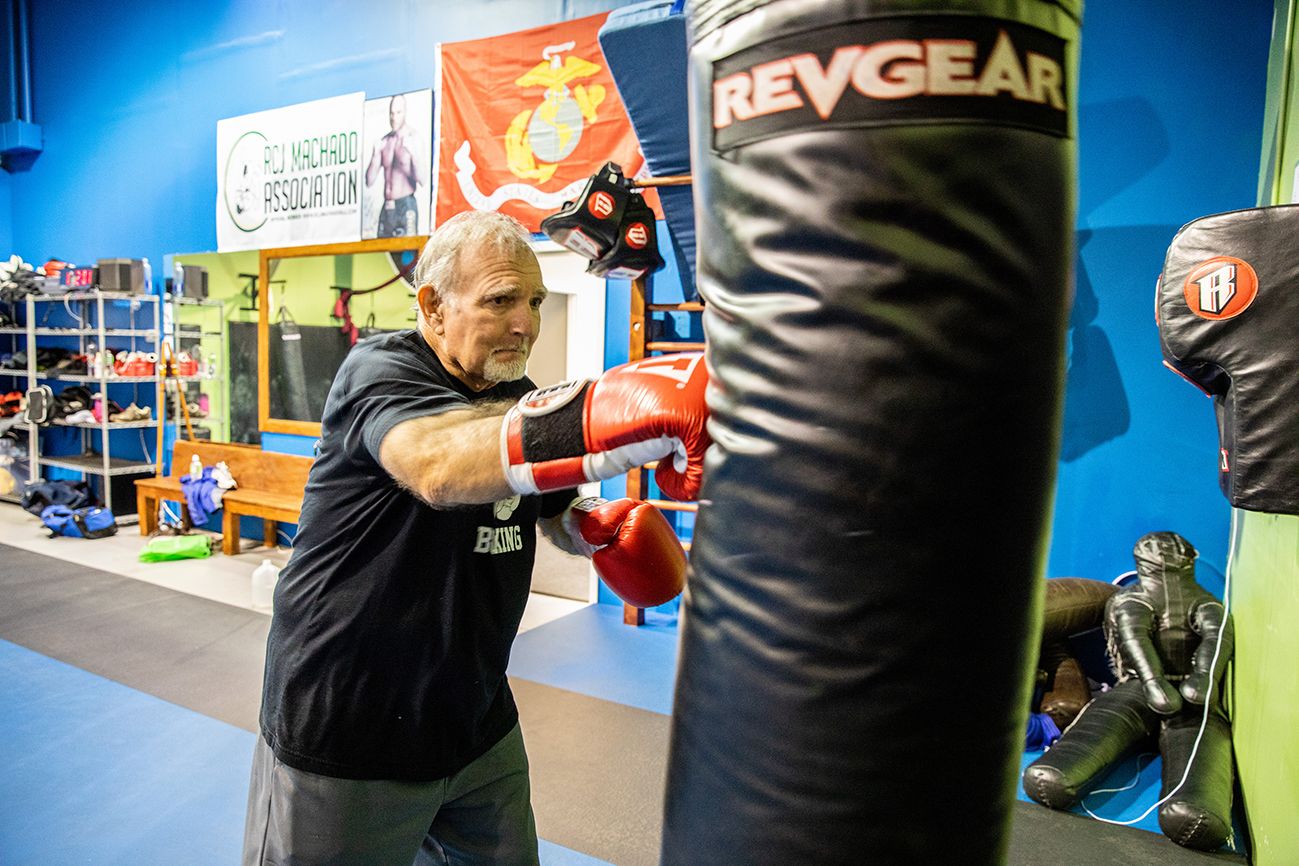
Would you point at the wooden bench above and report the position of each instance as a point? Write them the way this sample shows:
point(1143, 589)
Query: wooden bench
point(270, 486)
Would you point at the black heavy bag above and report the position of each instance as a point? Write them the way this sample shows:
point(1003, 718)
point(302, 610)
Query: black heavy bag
point(291, 361)
point(885, 205)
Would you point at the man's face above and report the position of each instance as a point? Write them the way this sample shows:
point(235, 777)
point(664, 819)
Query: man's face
point(396, 113)
point(485, 332)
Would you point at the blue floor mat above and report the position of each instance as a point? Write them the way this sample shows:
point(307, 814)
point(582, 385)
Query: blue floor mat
point(557, 855)
point(97, 772)
point(593, 653)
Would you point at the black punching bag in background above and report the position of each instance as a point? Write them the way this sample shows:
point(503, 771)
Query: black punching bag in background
point(885, 203)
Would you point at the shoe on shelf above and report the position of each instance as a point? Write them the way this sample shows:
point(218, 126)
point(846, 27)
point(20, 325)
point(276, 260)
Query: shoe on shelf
point(132, 413)
point(97, 409)
point(81, 416)
point(195, 410)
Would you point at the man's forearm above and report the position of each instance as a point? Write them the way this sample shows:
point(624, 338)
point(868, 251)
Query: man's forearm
point(449, 459)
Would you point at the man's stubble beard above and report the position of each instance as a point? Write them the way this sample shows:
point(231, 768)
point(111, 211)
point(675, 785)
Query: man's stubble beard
point(505, 371)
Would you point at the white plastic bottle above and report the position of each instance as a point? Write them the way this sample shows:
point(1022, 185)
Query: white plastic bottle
point(263, 585)
point(195, 467)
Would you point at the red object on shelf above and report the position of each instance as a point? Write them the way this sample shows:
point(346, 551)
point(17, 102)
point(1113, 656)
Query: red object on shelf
point(134, 365)
point(54, 267)
point(185, 365)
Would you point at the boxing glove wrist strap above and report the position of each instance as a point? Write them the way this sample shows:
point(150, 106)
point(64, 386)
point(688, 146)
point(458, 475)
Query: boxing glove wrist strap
point(544, 446)
point(550, 422)
point(572, 518)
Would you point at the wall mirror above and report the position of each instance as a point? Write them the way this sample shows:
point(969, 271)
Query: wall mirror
point(314, 303)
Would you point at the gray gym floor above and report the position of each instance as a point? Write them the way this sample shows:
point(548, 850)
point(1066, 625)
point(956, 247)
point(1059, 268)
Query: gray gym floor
point(598, 765)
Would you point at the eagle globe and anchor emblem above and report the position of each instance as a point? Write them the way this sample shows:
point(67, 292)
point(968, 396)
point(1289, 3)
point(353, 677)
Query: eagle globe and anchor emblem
point(539, 139)
point(552, 130)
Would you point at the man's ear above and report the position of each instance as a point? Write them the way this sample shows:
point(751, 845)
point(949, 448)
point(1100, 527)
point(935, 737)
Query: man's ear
point(430, 306)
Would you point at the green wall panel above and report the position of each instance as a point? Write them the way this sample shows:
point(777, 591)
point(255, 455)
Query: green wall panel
point(1265, 705)
point(1265, 558)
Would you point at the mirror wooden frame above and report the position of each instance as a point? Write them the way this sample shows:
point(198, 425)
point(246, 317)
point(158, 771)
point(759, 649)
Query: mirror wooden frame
point(265, 422)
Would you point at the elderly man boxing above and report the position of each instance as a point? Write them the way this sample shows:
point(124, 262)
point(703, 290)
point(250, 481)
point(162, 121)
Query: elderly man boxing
point(389, 734)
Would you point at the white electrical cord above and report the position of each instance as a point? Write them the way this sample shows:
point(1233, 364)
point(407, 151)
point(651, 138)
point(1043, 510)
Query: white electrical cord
point(1213, 667)
point(144, 445)
point(80, 322)
point(1130, 785)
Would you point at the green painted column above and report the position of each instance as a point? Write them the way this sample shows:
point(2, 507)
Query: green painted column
point(1265, 698)
point(1265, 556)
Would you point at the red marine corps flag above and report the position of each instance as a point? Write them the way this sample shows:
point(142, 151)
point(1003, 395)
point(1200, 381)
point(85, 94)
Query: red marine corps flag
point(525, 119)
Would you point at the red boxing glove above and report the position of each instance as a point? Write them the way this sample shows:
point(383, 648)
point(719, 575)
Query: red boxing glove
point(580, 431)
point(637, 554)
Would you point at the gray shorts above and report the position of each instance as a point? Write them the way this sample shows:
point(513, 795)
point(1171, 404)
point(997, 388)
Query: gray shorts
point(480, 815)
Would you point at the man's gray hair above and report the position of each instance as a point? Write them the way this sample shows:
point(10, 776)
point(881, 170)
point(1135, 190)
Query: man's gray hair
point(439, 263)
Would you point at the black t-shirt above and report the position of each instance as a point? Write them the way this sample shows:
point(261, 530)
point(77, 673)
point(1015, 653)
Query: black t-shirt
point(393, 620)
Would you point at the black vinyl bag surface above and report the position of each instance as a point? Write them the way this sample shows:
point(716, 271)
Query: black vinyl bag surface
point(885, 207)
point(1228, 312)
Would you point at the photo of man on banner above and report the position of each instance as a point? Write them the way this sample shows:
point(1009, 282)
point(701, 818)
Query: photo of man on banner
point(398, 157)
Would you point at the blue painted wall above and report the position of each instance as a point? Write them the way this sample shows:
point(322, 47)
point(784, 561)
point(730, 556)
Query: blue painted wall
point(1170, 130)
point(1171, 110)
point(129, 167)
point(1166, 135)
point(6, 217)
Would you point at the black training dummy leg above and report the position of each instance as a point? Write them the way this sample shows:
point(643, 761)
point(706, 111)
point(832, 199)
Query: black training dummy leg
point(1107, 729)
point(1199, 815)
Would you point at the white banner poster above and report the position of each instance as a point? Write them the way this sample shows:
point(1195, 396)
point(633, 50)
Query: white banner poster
point(291, 176)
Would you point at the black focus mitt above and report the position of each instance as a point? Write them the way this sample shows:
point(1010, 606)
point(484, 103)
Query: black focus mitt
point(589, 224)
point(636, 250)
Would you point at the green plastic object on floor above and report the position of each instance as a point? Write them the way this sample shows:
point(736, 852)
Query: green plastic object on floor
point(176, 547)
